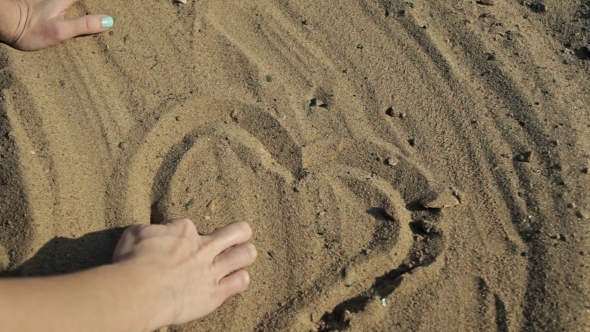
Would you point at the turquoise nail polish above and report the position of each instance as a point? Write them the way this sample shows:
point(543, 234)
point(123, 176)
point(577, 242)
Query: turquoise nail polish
point(107, 22)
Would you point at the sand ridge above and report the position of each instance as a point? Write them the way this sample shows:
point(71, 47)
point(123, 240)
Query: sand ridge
point(325, 125)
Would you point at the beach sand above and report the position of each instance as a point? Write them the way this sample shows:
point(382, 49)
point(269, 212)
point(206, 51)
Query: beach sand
point(405, 166)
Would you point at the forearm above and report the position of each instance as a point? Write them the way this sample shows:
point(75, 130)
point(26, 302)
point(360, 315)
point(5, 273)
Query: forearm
point(109, 298)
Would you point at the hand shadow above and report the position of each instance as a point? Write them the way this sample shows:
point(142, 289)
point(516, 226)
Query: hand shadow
point(64, 255)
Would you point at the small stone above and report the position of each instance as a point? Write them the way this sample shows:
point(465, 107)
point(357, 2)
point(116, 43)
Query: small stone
point(212, 205)
point(391, 161)
point(582, 214)
point(322, 213)
point(316, 102)
point(441, 199)
point(486, 2)
point(234, 114)
point(349, 277)
point(402, 115)
point(320, 230)
point(585, 170)
point(412, 142)
point(389, 111)
point(538, 7)
point(350, 283)
point(178, 118)
point(346, 316)
point(122, 145)
point(525, 157)
point(571, 205)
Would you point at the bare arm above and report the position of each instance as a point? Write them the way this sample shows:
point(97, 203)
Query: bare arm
point(164, 274)
point(30, 25)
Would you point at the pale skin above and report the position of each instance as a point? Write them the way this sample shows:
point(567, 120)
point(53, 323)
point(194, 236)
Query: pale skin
point(31, 25)
point(161, 275)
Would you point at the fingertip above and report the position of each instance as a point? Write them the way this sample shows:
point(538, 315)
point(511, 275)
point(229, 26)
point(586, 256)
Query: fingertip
point(107, 22)
point(244, 228)
point(251, 252)
point(235, 283)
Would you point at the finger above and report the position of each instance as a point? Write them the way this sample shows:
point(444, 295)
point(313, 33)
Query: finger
point(235, 258)
point(234, 283)
point(85, 25)
point(229, 236)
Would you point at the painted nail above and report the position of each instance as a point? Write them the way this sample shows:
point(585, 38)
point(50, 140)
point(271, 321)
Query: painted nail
point(107, 22)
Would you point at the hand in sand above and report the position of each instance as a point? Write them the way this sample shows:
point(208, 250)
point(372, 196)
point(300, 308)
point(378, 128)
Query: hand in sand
point(31, 25)
point(162, 274)
point(196, 273)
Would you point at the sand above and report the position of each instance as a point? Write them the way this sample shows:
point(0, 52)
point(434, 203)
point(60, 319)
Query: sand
point(405, 166)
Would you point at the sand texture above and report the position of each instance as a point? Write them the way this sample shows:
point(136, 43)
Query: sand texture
point(405, 166)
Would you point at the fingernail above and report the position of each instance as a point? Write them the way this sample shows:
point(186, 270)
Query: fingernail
point(107, 22)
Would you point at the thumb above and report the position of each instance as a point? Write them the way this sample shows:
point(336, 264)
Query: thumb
point(85, 25)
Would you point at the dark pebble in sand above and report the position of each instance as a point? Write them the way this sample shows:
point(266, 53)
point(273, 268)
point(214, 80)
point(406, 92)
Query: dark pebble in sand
point(389, 111)
point(538, 7)
point(525, 157)
point(486, 2)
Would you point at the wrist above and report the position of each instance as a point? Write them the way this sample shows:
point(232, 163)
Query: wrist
point(154, 300)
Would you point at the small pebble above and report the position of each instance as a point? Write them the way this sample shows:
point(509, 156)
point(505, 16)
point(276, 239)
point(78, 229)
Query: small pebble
point(486, 2)
point(538, 7)
point(582, 214)
point(525, 157)
point(320, 230)
point(391, 161)
point(178, 118)
point(212, 205)
point(412, 142)
point(389, 111)
point(122, 145)
point(346, 316)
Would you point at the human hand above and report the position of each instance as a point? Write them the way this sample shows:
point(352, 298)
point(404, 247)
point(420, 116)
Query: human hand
point(195, 273)
point(30, 25)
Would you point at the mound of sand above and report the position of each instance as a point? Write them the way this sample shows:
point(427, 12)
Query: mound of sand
point(410, 166)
